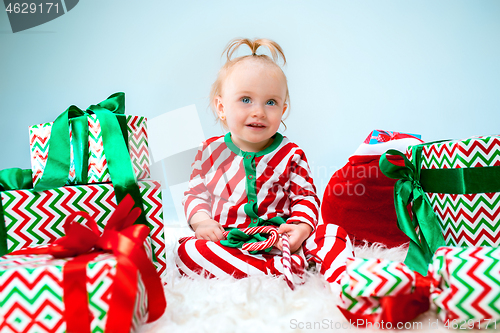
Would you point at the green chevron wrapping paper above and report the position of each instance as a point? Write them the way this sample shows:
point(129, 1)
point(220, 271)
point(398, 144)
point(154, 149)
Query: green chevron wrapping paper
point(463, 283)
point(367, 280)
point(467, 286)
point(36, 218)
point(468, 212)
point(97, 167)
point(31, 293)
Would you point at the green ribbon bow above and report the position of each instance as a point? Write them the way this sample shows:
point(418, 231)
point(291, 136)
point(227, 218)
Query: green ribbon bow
point(411, 187)
point(11, 179)
point(237, 238)
point(110, 114)
point(15, 179)
point(408, 190)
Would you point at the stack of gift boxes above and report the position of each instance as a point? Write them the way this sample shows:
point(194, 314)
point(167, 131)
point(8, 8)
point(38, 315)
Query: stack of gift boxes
point(31, 295)
point(447, 201)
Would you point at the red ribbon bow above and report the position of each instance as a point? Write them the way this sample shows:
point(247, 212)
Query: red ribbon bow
point(385, 136)
point(125, 240)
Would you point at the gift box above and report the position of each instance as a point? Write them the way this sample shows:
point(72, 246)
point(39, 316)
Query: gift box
point(95, 160)
point(33, 218)
point(88, 280)
point(463, 283)
point(461, 180)
point(452, 189)
point(368, 283)
point(467, 286)
point(31, 293)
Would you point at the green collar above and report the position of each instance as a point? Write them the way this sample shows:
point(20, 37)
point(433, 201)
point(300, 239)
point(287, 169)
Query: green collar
point(278, 138)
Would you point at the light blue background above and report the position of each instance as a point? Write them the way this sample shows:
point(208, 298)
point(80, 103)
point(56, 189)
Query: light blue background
point(427, 67)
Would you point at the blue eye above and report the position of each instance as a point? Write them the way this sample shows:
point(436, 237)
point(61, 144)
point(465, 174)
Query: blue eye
point(245, 100)
point(271, 102)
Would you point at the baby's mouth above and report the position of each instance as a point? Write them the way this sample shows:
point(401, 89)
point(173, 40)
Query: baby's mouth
point(256, 125)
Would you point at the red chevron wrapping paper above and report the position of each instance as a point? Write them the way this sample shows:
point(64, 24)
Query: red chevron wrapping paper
point(463, 283)
point(31, 293)
point(97, 165)
point(467, 285)
point(465, 219)
point(367, 280)
point(36, 218)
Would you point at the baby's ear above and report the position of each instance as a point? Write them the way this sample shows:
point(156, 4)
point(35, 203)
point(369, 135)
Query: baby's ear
point(218, 105)
point(285, 106)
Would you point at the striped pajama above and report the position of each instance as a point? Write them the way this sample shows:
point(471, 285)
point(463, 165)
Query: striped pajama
point(328, 247)
point(213, 260)
point(244, 189)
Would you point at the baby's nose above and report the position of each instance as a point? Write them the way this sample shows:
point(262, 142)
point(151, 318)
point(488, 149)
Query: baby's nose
point(259, 111)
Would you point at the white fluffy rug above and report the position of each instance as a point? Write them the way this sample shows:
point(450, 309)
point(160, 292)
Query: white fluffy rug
point(261, 304)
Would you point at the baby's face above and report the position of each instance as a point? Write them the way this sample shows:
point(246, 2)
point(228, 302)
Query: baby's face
point(253, 102)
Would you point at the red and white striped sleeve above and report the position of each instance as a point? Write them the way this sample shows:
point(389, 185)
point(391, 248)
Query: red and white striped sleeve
point(304, 202)
point(197, 198)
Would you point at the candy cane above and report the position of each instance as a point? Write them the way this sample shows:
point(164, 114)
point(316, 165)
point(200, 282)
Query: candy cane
point(270, 241)
point(287, 261)
point(257, 246)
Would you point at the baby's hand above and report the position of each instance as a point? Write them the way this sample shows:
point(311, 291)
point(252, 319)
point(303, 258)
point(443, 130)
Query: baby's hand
point(297, 234)
point(207, 229)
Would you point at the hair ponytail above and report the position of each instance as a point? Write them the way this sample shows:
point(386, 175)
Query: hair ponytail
point(274, 48)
